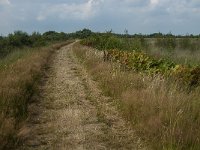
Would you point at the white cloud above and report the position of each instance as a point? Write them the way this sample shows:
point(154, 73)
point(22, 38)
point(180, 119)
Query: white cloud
point(4, 2)
point(180, 16)
point(154, 2)
point(81, 11)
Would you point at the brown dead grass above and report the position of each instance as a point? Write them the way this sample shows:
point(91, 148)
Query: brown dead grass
point(18, 83)
point(160, 113)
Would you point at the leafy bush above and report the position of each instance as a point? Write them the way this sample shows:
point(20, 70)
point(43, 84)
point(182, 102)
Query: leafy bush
point(139, 61)
point(19, 39)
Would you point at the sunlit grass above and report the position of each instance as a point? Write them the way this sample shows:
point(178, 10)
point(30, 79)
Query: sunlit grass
point(20, 72)
point(162, 114)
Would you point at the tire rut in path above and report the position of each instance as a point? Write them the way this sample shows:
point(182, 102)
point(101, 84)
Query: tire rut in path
point(71, 112)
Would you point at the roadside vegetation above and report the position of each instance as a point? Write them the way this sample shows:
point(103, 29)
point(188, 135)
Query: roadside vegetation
point(22, 64)
point(155, 82)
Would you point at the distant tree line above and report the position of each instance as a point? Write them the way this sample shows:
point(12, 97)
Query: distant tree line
point(156, 35)
point(20, 39)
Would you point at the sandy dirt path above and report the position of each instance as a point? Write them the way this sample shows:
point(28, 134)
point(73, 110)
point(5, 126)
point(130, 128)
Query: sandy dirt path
point(72, 113)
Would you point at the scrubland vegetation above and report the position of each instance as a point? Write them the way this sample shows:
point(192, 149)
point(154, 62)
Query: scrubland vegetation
point(155, 82)
point(153, 79)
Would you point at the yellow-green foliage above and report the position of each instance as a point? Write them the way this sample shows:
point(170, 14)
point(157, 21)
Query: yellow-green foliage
point(119, 51)
point(139, 61)
point(188, 75)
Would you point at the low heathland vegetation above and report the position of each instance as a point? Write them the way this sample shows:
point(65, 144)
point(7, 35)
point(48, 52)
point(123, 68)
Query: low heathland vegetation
point(157, 94)
point(153, 79)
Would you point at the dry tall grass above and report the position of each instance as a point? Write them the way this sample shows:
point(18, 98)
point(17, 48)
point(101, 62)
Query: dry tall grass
point(159, 111)
point(19, 75)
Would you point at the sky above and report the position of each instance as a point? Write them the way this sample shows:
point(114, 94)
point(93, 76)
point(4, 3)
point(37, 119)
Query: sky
point(137, 16)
